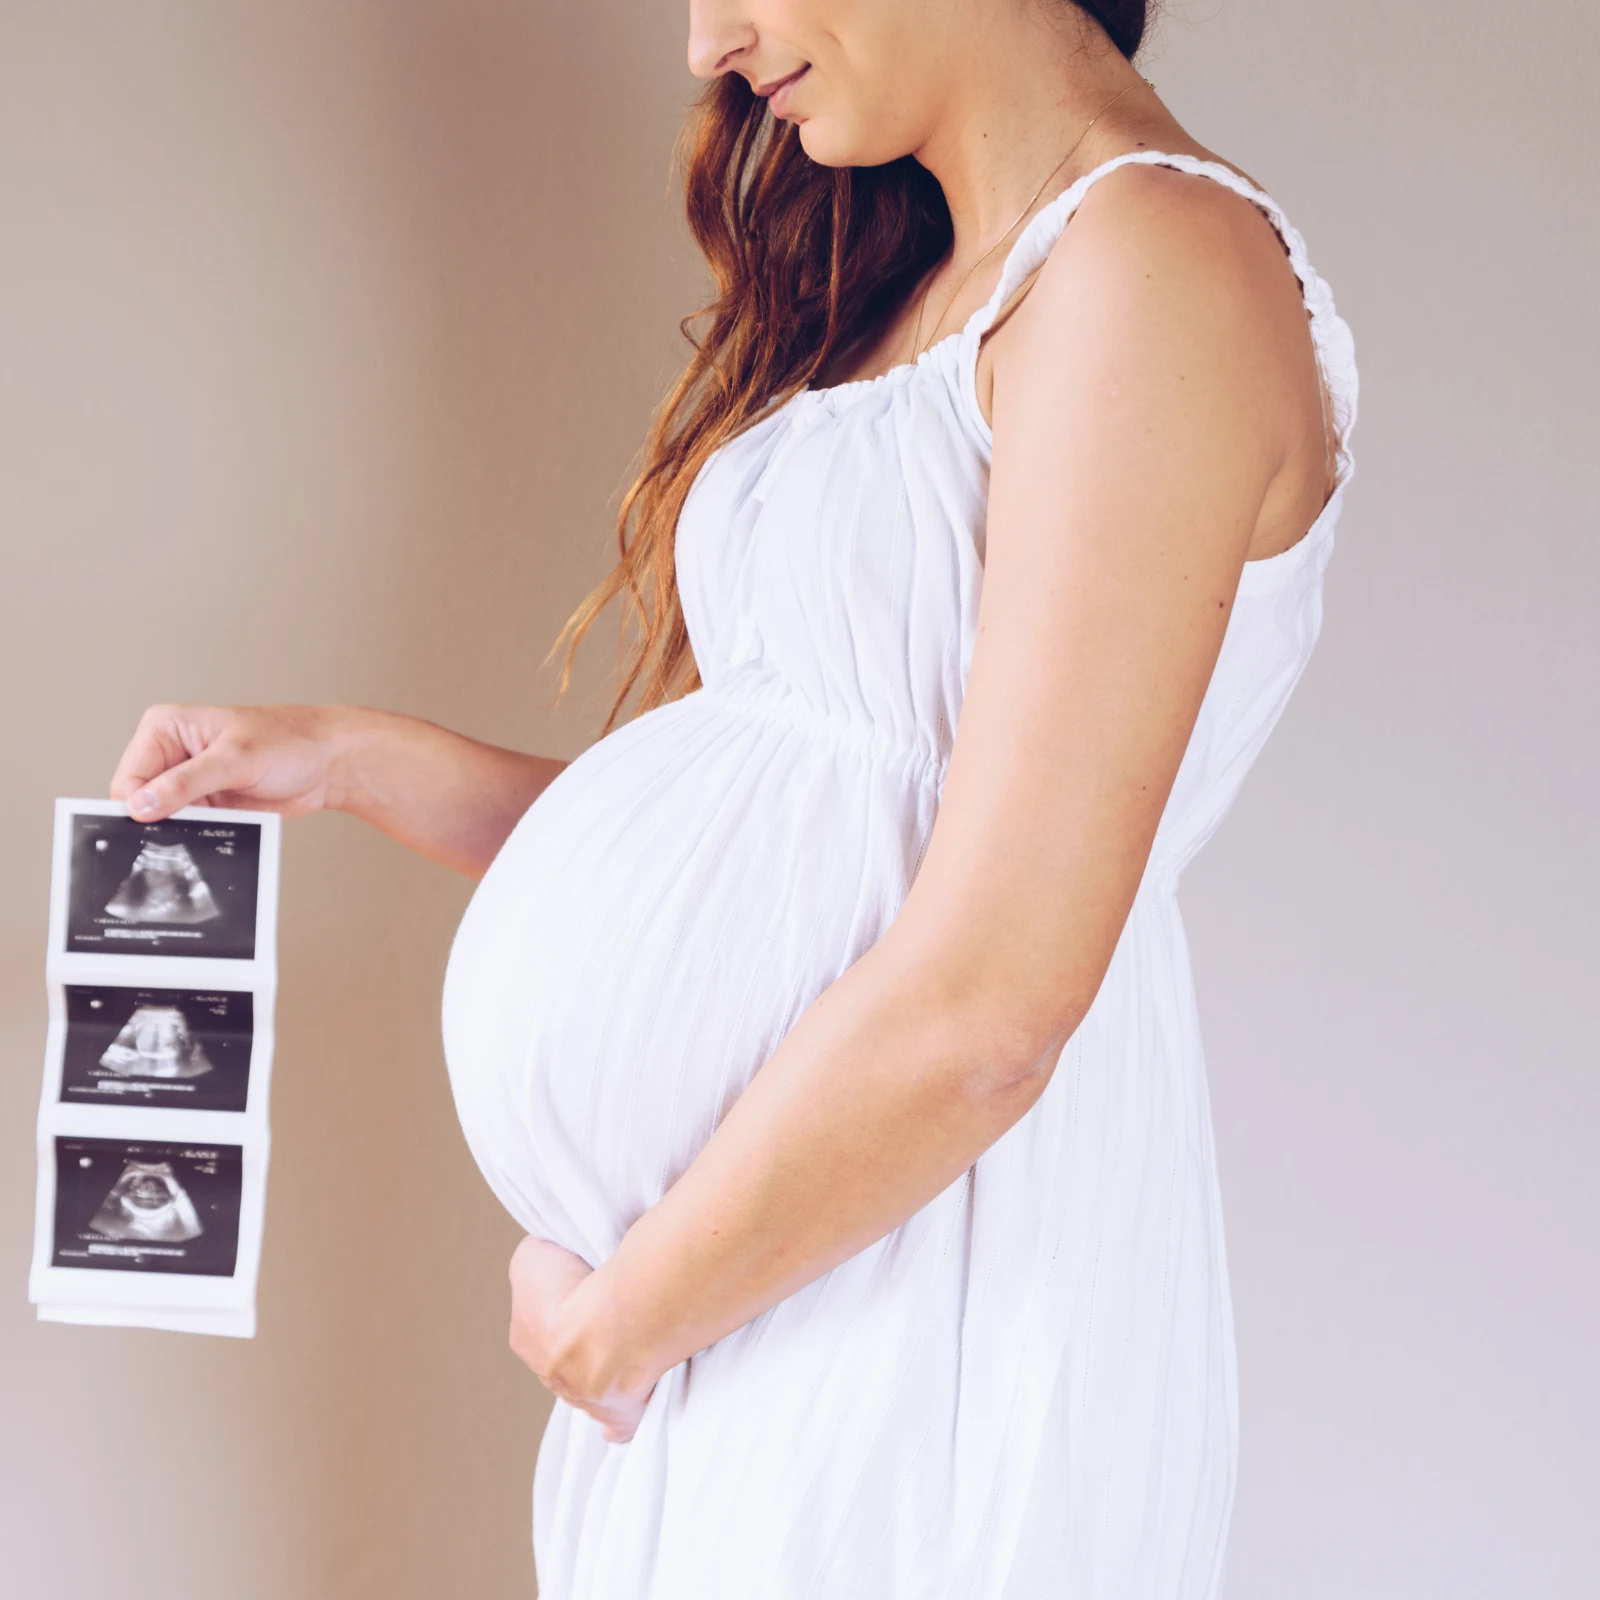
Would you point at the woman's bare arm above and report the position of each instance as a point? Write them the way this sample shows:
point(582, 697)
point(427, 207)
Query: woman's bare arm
point(449, 798)
point(1139, 430)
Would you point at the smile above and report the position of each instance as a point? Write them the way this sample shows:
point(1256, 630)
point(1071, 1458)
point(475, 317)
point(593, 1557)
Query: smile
point(776, 93)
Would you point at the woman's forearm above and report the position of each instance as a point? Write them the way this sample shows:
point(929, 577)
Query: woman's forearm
point(448, 797)
point(451, 798)
point(883, 1094)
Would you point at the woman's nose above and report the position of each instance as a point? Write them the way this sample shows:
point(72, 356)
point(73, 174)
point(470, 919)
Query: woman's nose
point(718, 34)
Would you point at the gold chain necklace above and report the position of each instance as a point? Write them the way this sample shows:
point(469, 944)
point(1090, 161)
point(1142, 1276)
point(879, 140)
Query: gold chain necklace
point(916, 334)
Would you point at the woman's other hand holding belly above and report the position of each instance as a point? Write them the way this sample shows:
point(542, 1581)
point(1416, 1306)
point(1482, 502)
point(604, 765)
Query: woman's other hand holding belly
point(557, 1331)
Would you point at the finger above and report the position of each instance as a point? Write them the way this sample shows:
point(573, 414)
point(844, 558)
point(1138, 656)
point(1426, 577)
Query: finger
point(618, 1425)
point(215, 770)
point(619, 1430)
point(158, 743)
point(544, 1272)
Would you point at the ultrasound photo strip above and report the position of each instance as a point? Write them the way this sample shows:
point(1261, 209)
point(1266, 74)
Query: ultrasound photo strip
point(198, 890)
point(153, 1134)
point(177, 1049)
point(154, 1232)
point(147, 1206)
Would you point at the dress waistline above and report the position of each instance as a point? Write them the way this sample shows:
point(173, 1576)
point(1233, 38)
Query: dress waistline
point(778, 702)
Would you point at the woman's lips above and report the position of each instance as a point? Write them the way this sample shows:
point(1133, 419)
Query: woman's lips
point(777, 94)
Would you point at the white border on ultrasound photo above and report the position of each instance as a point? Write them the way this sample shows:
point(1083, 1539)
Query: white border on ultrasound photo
point(81, 1112)
point(169, 971)
point(84, 1286)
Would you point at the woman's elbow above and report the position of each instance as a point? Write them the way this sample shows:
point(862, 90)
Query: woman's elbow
point(997, 1026)
point(1007, 1043)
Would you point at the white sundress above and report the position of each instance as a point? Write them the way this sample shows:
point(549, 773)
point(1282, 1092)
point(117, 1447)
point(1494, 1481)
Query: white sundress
point(1027, 1390)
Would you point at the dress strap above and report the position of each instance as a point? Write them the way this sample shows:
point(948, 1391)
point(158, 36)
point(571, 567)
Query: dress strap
point(1334, 345)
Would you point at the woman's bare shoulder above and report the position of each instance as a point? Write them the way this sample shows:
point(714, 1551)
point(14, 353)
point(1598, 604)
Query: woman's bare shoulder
point(1149, 240)
point(1147, 206)
point(1174, 290)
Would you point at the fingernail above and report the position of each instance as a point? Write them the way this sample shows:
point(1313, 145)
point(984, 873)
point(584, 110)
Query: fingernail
point(142, 804)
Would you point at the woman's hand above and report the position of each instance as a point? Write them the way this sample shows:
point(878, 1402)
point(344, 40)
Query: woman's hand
point(449, 798)
point(263, 758)
point(559, 1331)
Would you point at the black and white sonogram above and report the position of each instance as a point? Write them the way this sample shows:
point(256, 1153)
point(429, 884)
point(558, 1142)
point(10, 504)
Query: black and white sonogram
point(133, 1206)
point(174, 888)
point(187, 1049)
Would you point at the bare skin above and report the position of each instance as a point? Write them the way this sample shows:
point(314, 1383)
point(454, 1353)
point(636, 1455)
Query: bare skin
point(449, 798)
point(1158, 422)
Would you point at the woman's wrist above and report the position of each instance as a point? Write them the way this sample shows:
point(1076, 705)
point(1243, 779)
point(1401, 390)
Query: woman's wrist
point(356, 739)
point(605, 1345)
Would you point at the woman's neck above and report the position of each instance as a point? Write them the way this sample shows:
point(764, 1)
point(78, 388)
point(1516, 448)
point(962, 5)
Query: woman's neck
point(1031, 85)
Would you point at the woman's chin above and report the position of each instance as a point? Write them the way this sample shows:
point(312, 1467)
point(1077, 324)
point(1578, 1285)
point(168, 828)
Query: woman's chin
point(824, 146)
point(831, 144)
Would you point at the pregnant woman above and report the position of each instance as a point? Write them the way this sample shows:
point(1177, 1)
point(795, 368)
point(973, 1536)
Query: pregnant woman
point(828, 1026)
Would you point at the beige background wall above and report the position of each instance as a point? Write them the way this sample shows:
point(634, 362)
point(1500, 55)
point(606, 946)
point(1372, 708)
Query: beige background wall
point(326, 332)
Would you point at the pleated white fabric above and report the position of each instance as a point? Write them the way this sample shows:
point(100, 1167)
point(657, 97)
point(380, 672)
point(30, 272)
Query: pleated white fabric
point(1028, 1389)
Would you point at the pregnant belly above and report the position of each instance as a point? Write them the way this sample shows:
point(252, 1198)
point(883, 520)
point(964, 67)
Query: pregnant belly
point(652, 928)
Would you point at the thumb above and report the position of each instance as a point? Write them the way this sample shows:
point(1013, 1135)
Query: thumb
point(215, 770)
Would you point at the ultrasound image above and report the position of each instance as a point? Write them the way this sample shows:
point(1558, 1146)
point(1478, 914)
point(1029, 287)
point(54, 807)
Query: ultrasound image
point(185, 1049)
point(164, 886)
point(147, 1202)
point(156, 1044)
point(135, 1206)
point(174, 888)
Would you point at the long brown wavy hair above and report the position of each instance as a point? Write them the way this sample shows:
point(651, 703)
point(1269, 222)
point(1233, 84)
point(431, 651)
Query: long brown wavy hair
point(806, 260)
